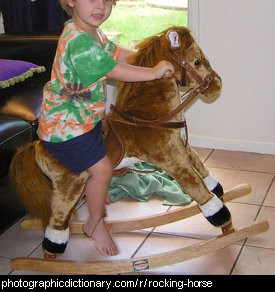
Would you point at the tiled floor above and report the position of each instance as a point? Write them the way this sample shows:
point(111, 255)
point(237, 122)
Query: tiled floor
point(255, 255)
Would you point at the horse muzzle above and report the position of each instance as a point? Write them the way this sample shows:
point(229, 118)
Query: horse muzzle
point(211, 86)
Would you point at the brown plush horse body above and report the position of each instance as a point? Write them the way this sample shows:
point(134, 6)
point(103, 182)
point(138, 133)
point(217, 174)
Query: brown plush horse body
point(148, 121)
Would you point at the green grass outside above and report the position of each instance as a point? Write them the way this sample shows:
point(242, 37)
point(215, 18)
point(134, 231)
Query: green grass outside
point(135, 21)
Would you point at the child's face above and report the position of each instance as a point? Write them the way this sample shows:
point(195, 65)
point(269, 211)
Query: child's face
point(90, 14)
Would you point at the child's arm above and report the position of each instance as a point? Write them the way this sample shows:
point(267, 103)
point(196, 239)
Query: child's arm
point(129, 73)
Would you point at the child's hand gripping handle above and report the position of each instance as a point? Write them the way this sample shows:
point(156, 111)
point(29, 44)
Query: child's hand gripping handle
point(163, 69)
point(167, 74)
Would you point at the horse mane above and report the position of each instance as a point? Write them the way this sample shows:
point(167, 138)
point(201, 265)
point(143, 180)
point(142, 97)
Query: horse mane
point(149, 52)
point(154, 48)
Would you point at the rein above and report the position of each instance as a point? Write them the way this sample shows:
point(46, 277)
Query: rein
point(202, 86)
point(163, 122)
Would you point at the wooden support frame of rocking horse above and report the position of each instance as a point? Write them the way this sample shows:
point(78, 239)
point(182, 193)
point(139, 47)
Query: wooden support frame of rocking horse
point(228, 237)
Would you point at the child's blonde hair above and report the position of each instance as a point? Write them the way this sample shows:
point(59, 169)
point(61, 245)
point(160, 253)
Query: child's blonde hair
point(70, 10)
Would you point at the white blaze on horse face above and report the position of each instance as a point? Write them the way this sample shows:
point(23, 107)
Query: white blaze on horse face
point(174, 39)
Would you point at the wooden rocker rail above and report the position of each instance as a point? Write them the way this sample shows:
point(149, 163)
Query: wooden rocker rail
point(140, 263)
point(116, 226)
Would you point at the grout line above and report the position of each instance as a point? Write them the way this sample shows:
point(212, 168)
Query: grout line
point(34, 249)
point(211, 152)
point(256, 216)
point(267, 192)
point(142, 243)
point(261, 206)
point(10, 269)
point(247, 245)
point(261, 247)
point(237, 258)
point(250, 204)
point(239, 169)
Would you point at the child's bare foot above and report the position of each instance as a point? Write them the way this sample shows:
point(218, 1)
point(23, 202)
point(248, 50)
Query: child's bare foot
point(101, 237)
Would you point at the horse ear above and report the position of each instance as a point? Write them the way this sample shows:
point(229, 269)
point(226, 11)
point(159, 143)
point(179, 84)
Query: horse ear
point(173, 37)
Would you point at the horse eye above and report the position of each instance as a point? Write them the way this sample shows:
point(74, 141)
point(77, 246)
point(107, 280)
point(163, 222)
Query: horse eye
point(197, 62)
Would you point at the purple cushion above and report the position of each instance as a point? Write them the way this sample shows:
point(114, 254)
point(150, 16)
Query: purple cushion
point(13, 71)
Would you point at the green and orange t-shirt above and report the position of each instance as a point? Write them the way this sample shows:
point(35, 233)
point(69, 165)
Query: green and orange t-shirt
point(74, 100)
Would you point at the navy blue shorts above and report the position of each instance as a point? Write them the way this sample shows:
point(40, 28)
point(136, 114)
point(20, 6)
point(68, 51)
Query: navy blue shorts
point(79, 153)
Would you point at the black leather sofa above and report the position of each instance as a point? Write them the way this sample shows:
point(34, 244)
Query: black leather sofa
point(19, 112)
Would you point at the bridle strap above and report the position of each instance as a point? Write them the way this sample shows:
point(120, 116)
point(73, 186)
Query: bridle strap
point(189, 98)
point(184, 64)
point(158, 123)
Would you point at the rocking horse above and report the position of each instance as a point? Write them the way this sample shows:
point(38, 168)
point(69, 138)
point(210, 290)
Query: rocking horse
point(146, 123)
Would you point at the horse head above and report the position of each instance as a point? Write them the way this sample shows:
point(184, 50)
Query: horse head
point(177, 45)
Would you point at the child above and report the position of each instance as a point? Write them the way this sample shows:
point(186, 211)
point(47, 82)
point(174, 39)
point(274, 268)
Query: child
point(74, 101)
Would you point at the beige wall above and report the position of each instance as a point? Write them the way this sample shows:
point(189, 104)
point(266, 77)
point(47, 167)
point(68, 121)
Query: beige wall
point(239, 39)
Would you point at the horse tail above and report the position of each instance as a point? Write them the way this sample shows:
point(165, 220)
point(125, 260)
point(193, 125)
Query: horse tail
point(32, 186)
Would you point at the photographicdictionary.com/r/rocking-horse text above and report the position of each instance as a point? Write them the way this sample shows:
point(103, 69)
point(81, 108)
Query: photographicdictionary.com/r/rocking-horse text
point(106, 284)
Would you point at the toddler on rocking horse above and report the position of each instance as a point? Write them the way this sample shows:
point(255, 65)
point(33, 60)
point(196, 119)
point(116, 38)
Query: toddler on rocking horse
point(74, 102)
